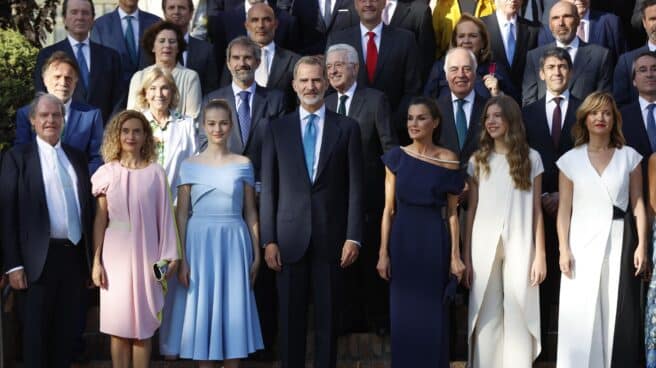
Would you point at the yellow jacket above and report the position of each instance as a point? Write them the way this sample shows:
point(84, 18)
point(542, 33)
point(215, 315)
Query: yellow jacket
point(446, 15)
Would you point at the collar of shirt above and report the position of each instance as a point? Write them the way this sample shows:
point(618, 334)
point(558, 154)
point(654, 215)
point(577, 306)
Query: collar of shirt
point(469, 98)
point(122, 14)
point(574, 44)
point(377, 30)
point(550, 96)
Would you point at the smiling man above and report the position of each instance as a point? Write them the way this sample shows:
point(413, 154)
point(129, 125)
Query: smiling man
point(311, 214)
point(593, 61)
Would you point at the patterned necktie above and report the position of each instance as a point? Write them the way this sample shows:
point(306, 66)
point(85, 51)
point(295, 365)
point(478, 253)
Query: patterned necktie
point(341, 109)
point(72, 218)
point(510, 50)
point(82, 64)
point(244, 115)
point(556, 122)
point(372, 56)
point(310, 143)
point(262, 71)
point(651, 126)
point(461, 123)
point(129, 40)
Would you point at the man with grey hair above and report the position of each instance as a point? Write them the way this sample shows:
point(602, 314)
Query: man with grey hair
point(46, 236)
point(462, 108)
point(252, 105)
point(366, 294)
point(593, 64)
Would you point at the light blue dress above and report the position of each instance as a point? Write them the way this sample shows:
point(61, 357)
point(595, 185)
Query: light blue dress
point(219, 319)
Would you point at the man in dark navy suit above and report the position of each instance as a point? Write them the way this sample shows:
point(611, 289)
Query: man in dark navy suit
point(46, 235)
point(312, 214)
point(122, 30)
point(83, 124)
point(100, 80)
point(548, 123)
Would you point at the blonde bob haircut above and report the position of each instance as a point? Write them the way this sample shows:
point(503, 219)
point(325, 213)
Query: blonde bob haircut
point(595, 102)
point(111, 146)
point(151, 76)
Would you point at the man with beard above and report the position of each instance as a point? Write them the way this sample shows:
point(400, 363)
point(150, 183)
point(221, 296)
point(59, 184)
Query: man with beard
point(592, 63)
point(311, 213)
point(253, 106)
point(623, 89)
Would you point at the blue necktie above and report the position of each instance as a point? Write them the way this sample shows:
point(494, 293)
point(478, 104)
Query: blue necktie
point(510, 50)
point(310, 143)
point(651, 126)
point(72, 218)
point(461, 123)
point(129, 40)
point(82, 64)
point(244, 115)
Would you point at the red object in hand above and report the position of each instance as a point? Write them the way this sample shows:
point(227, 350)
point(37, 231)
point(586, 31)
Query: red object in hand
point(492, 68)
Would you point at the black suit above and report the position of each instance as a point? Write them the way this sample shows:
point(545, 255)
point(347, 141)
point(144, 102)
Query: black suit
point(366, 297)
point(539, 138)
point(592, 71)
point(105, 88)
point(310, 221)
point(396, 70)
point(416, 17)
point(527, 36)
point(314, 29)
point(449, 134)
point(55, 273)
point(200, 58)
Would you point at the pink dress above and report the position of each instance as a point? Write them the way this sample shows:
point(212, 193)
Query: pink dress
point(141, 231)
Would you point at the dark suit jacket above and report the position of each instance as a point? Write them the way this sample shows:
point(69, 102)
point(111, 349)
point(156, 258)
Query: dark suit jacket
point(298, 214)
point(24, 212)
point(623, 90)
point(416, 17)
point(592, 72)
point(448, 137)
point(268, 104)
point(107, 31)
point(539, 138)
point(200, 58)
point(605, 31)
point(396, 70)
point(369, 107)
point(314, 30)
point(105, 87)
point(527, 33)
point(83, 131)
point(633, 128)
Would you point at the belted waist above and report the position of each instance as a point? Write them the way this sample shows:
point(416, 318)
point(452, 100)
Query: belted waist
point(618, 214)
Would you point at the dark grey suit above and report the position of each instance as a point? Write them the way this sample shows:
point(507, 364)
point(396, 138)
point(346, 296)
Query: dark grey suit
point(592, 71)
point(366, 295)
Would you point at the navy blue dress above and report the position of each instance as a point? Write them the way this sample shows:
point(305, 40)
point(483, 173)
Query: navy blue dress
point(420, 257)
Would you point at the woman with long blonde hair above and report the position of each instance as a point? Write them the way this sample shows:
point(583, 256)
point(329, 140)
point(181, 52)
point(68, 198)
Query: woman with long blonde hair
point(504, 242)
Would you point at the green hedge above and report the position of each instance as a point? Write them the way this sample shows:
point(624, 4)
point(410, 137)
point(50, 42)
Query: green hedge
point(17, 60)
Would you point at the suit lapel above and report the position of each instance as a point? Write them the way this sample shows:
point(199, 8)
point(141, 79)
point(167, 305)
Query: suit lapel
point(331, 134)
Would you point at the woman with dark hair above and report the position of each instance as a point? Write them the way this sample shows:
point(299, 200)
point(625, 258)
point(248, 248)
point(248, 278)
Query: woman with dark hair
point(133, 230)
point(602, 231)
point(164, 43)
point(417, 255)
point(492, 79)
point(504, 242)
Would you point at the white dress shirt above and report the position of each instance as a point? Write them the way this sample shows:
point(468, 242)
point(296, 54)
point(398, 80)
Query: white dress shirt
point(503, 27)
point(135, 24)
point(235, 91)
point(644, 111)
point(468, 106)
point(349, 92)
point(321, 113)
point(86, 51)
point(378, 30)
point(572, 48)
point(550, 106)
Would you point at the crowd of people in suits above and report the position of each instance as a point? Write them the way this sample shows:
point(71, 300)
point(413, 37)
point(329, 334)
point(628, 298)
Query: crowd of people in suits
point(217, 171)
